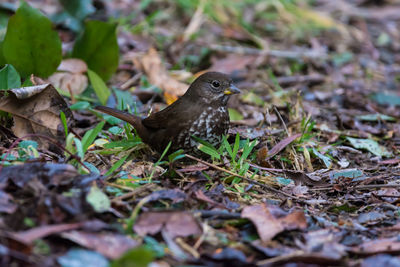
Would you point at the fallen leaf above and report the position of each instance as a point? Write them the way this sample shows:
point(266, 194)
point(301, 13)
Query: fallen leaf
point(73, 83)
point(98, 200)
point(70, 76)
point(384, 245)
point(271, 220)
point(151, 64)
point(73, 65)
point(36, 110)
point(177, 223)
point(110, 245)
point(370, 145)
point(42, 231)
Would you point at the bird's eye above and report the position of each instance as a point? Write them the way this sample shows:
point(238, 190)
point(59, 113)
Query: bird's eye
point(215, 84)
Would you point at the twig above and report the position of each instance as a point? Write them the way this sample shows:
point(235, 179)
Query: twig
point(220, 214)
point(131, 81)
point(281, 119)
point(266, 169)
point(312, 54)
point(359, 187)
point(242, 177)
point(127, 188)
point(287, 80)
point(133, 193)
point(271, 261)
point(195, 22)
point(187, 247)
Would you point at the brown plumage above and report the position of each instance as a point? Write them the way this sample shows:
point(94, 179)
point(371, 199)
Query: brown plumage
point(201, 112)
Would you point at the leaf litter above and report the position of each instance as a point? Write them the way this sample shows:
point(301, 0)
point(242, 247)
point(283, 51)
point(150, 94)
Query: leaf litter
point(320, 101)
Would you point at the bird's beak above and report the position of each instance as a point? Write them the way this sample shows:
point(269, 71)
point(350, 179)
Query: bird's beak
point(232, 90)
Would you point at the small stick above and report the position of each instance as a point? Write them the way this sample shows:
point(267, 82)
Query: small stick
point(281, 119)
point(359, 187)
point(312, 54)
point(132, 193)
point(244, 178)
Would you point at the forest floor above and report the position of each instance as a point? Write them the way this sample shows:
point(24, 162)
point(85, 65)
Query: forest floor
point(308, 174)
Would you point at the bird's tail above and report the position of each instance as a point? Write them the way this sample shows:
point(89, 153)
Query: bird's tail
point(136, 121)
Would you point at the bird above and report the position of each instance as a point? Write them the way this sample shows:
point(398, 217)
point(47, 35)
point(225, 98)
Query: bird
point(201, 112)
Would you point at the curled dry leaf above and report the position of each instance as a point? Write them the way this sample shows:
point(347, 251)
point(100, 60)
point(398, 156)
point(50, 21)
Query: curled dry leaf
point(271, 220)
point(70, 76)
point(176, 224)
point(151, 64)
point(36, 110)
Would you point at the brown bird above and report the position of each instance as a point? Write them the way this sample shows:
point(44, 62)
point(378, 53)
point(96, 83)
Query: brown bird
point(200, 112)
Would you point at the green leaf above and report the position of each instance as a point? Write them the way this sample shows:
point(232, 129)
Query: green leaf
point(123, 144)
point(116, 130)
point(74, 12)
point(209, 150)
point(30, 44)
point(79, 9)
point(99, 87)
point(79, 148)
point(98, 47)
point(327, 160)
point(236, 145)
point(116, 165)
point(252, 98)
point(91, 168)
point(2, 58)
point(98, 200)
point(234, 115)
point(90, 135)
point(137, 257)
point(9, 78)
point(80, 105)
point(247, 149)
point(26, 143)
point(228, 148)
point(370, 145)
point(64, 123)
point(176, 155)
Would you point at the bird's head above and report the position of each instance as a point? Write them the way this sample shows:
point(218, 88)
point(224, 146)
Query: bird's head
point(213, 87)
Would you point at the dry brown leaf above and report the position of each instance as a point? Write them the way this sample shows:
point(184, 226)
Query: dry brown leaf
point(151, 64)
point(384, 245)
point(36, 110)
point(70, 76)
point(270, 220)
point(110, 245)
point(69, 82)
point(176, 224)
point(73, 65)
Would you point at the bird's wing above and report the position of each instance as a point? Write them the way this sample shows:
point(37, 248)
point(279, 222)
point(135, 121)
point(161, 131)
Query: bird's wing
point(167, 117)
point(159, 120)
